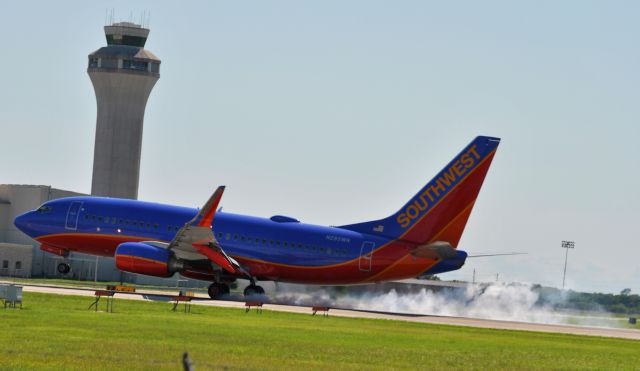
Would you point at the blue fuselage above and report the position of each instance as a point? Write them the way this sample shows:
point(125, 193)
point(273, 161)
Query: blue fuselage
point(279, 248)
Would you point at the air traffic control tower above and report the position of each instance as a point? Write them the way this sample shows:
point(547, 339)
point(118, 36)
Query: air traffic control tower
point(123, 74)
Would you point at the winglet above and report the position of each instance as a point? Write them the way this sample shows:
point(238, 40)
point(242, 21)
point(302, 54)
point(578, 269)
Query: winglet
point(205, 215)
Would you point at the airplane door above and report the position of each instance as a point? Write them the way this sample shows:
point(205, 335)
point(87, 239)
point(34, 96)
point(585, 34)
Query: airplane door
point(366, 255)
point(72, 215)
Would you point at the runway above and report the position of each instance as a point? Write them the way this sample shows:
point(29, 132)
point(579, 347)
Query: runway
point(441, 320)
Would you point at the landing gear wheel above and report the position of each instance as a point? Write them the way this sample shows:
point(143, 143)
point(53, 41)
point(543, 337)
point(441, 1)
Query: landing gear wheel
point(253, 290)
point(217, 290)
point(64, 268)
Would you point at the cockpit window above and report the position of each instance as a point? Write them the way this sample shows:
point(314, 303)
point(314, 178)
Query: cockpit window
point(44, 209)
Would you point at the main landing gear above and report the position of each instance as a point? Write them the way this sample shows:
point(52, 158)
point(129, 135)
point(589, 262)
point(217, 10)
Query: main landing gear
point(64, 268)
point(218, 290)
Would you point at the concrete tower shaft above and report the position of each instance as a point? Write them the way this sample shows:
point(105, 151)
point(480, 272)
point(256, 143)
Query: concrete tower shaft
point(123, 75)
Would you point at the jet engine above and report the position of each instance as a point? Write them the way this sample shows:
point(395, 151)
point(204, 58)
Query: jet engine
point(144, 258)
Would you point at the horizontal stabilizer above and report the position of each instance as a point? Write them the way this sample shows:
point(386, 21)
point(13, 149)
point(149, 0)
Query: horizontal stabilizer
point(435, 250)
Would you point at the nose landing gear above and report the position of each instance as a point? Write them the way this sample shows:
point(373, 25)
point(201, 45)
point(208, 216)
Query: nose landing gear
point(64, 268)
point(217, 290)
point(253, 289)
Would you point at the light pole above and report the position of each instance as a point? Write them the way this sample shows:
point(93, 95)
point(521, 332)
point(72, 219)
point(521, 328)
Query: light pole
point(95, 270)
point(566, 245)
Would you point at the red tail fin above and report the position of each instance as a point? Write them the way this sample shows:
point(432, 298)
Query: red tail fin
point(439, 211)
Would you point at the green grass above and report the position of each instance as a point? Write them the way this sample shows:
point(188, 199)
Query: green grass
point(58, 332)
point(90, 284)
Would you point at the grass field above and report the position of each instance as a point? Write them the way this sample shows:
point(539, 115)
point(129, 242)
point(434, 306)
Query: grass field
point(58, 332)
point(91, 284)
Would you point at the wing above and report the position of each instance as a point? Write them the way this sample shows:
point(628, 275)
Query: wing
point(195, 239)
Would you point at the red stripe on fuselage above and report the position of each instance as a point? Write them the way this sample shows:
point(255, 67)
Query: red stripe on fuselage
point(346, 273)
point(88, 243)
point(343, 273)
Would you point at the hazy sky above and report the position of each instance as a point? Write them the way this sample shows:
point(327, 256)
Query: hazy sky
point(337, 112)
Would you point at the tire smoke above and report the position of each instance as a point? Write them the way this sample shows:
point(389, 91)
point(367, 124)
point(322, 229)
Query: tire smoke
point(496, 301)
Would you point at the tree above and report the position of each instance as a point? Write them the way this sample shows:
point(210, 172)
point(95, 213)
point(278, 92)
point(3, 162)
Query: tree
point(430, 277)
point(625, 292)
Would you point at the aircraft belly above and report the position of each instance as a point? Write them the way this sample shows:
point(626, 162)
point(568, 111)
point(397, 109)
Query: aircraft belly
point(345, 274)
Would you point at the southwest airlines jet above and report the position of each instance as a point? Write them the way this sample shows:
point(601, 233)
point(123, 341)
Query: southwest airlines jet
point(220, 247)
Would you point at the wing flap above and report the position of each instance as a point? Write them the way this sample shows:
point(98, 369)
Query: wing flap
point(218, 257)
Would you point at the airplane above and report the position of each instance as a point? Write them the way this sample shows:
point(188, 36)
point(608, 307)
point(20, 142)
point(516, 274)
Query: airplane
point(209, 244)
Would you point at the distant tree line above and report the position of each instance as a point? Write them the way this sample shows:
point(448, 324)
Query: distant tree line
point(623, 303)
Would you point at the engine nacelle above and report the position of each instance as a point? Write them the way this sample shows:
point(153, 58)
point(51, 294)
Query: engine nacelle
point(142, 258)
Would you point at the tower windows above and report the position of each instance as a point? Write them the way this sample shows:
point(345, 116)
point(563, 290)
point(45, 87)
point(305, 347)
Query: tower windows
point(128, 64)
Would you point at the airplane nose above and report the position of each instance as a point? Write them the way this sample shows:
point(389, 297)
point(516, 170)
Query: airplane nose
point(21, 222)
